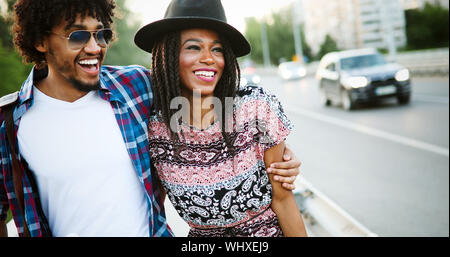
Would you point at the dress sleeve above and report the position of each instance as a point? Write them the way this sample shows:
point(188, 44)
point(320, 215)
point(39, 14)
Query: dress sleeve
point(265, 116)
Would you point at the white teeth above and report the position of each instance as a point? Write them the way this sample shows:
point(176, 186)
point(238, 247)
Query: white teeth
point(88, 62)
point(205, 73)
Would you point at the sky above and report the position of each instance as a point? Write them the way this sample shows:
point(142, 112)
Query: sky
point(236, 10)
point(2, 6)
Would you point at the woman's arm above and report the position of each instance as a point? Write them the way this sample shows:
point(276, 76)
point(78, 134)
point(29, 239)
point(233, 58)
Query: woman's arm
point(283, 202)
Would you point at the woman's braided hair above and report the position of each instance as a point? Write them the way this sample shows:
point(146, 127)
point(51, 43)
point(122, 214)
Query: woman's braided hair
point(33, 19)
point(166, 81)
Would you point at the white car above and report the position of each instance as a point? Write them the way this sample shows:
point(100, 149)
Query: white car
point(291, 70)
point(249, 76)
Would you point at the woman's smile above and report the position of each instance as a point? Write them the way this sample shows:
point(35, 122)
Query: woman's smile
point(207, 75)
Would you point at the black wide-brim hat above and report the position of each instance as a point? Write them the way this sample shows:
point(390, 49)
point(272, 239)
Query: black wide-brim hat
point(189, 14)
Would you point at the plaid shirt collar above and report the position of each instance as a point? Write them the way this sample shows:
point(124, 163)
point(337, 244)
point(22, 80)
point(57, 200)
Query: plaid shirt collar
point(26, 91)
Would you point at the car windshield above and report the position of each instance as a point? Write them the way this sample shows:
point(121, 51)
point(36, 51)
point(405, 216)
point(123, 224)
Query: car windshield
point(363, 61)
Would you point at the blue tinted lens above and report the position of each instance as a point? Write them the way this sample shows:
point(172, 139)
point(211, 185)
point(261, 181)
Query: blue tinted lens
point(104, 37)
point(79, 38)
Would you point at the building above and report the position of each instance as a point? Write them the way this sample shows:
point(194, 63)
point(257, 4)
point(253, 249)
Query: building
point(414, 4)
point(354, 23)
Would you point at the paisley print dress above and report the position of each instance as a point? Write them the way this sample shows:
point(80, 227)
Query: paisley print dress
point(219, 193)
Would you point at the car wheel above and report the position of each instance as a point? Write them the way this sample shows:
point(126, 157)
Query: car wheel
point(404, 99)
point(323, 98)
point(346, 100)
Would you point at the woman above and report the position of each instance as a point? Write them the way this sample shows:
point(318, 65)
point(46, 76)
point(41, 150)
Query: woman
point(212, 161)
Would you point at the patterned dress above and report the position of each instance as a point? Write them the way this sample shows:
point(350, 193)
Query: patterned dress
point(218, 193)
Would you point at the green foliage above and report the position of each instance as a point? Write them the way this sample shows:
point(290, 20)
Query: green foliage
point(5, 35)
point(5, 24)
point(329, 45)
point(9, 217)
point(280, 37)
point(427, 27)
point(12, 71)
point(123, 51)
point(253, 35)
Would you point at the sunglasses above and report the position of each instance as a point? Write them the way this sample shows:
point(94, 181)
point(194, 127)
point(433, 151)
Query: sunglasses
point(79, 38)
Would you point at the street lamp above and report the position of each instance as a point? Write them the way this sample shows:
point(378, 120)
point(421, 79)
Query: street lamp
point(296, 20)
point(265, 43)
point(388, 28)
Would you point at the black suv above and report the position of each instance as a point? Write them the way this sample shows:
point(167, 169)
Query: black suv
point(362, 75)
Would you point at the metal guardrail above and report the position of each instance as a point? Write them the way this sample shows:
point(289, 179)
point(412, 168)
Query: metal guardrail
point(433, 62)
point(323, 217)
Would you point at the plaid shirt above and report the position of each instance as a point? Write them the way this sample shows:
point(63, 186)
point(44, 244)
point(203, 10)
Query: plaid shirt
point(129, 92)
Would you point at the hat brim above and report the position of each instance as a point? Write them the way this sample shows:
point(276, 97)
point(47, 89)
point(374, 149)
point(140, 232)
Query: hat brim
point(147, 36)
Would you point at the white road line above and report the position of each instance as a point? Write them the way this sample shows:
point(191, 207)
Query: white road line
point(371, 131)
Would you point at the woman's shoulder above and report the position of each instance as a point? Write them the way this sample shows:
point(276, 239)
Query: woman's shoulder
point(259, 108)
point(252, 91)
point(255, 95)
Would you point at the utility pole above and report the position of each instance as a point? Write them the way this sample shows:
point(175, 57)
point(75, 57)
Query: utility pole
point(296, 20)
point(265, 44)
point(388, 28)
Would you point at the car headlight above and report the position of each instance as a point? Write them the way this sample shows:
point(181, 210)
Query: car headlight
point(301, 72)
point(402, 75)
point(356, 82)
point(286, 74)
point(256, 79)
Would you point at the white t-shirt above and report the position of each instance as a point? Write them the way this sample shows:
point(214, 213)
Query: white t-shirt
point(87, 183)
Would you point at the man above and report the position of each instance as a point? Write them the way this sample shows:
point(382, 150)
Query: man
point(81, 130)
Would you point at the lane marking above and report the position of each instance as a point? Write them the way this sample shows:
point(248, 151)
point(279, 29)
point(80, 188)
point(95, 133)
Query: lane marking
point(371, 131)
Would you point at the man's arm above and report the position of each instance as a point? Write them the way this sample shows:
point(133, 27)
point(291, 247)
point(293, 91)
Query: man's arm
point(287, 171)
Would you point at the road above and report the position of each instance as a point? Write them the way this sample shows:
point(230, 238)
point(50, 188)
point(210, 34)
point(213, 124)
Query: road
point(386, 165)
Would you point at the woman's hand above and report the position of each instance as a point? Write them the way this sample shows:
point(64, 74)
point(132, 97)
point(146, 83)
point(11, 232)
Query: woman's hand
point(286, 172)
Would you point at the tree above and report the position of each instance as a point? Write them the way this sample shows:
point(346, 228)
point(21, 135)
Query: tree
point(427, 27)
point(280, 36)
point(253, 35)
point(329, 45)
point(5, 24)
point(12, 71)
point(123, 51)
